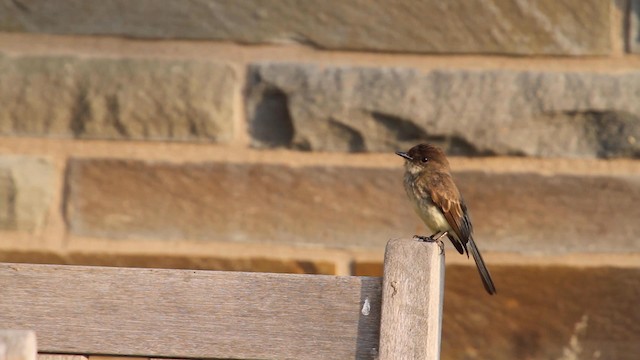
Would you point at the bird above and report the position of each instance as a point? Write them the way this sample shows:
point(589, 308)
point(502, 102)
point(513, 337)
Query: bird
point(439, 204)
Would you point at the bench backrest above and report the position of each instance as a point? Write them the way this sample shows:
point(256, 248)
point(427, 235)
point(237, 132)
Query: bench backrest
point(216, 314)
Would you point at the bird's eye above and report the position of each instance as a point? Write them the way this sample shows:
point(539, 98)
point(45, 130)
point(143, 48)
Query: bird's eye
point(424, 160)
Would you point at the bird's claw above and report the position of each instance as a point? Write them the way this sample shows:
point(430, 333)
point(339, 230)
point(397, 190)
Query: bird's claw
point(431, 239)
point(423, 238)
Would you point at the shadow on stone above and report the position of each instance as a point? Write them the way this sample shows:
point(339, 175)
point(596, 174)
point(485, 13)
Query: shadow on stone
point(351, 138)
point(402, 129)
point(459, 146)
point(618, 133)
point(271, 125)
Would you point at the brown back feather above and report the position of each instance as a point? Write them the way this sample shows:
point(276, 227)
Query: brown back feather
point(445, 194)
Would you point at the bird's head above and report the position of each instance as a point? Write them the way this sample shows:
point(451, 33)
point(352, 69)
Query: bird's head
point(424, 158)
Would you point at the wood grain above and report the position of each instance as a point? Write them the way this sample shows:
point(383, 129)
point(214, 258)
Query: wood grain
point(192, 314)
point(412, 295)
point(17, 344)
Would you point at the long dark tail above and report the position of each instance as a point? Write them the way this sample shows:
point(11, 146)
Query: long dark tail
point(482, 268)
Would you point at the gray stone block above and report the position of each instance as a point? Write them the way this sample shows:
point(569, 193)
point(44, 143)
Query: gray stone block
point(634, 26)
point(484, 112)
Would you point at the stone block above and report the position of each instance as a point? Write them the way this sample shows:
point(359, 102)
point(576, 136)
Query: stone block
point(344, 207)
point(18, 345)
point(468, 112)
point(545, 27)
point(218, 263)
point(26, 192)
point(540, 312)
point(131, 99)
point(61, 357)
point(633, 40)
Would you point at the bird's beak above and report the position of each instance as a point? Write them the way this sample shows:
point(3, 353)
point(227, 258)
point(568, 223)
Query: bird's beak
point(404, 155)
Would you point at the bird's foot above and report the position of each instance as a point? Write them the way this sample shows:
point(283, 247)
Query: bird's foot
point(431, 239)
point(423, 238)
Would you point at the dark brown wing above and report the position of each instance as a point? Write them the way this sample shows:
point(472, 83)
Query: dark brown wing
point(446, 196)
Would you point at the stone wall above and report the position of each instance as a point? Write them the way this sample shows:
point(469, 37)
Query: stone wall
point(259, 136)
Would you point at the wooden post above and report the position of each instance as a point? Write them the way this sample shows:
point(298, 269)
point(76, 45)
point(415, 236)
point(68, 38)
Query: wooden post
point(412, 295)
point(18, 345)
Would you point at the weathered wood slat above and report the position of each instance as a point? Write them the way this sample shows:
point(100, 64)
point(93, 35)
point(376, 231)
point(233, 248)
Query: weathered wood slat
point(412, 297)
point(17, 344)
point(192, 314)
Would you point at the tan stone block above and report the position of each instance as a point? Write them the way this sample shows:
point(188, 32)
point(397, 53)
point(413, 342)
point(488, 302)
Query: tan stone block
point(18, 344)
point(107, 357)
point(204, 263)
point(568, 27)
point(229, 202)
point(61, 357)
point(117, 98)
point(33, 257)
point(26, 192)
point(367, 269)
point(344, 206)
point(542, 313)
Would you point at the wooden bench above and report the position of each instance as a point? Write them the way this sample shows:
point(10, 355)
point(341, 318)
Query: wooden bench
point(235, 315)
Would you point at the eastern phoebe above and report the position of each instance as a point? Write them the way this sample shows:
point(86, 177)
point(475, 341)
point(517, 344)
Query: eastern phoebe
point(437, 200)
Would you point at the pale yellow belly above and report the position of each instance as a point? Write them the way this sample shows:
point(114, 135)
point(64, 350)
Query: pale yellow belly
point(431, 216)
point(428, 212)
